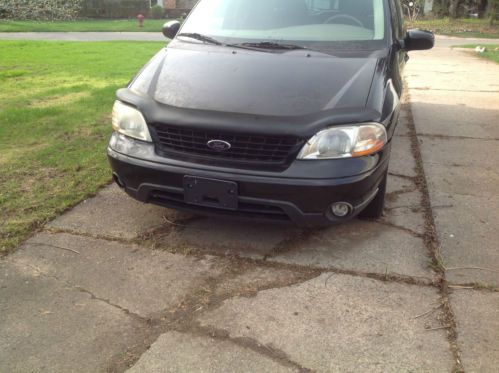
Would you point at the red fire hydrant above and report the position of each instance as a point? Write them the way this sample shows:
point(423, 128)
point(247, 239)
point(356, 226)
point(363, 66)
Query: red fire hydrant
point(141, 18)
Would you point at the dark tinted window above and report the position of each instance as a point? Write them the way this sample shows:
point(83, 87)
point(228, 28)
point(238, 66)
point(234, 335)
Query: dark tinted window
point(289, 20)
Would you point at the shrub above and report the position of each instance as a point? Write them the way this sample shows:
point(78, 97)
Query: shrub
point(42, 10)
point(157, 12)
point(114, 8)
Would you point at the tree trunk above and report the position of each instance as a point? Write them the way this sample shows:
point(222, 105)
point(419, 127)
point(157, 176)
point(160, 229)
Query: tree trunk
point(493, 11)
point(482, 8)
point(454, 8)
point(441, 8)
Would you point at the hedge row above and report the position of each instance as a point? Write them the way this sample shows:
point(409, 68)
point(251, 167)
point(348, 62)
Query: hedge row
point(113, 8)
point(42, 10)
point(52, 10)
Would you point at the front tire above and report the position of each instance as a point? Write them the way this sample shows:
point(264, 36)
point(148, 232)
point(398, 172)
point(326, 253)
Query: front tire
point(374, 209)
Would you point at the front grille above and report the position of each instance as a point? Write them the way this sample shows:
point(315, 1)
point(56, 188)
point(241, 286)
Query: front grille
point(245, 148)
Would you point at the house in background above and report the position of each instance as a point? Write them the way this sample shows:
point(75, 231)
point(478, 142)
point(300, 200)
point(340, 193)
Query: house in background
point(177, 7)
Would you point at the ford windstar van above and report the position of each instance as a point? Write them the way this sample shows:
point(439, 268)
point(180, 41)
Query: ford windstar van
point(277, 110)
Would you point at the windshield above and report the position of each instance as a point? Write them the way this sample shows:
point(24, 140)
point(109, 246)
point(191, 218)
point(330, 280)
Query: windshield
point(351, 23)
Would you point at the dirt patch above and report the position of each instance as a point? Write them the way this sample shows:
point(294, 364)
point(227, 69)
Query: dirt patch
point(58, 100)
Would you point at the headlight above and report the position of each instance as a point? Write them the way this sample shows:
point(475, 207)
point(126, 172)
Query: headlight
point(345, 142)
point(130, 122)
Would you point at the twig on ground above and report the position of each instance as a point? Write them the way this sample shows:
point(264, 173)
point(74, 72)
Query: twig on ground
point(438, 328)
point(477, 268)
point(427, 312)
point(54, 246)
point(327, 279)
point(460, 287)
point(167, 221)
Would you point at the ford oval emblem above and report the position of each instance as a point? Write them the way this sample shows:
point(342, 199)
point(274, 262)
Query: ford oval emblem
point(218, 145)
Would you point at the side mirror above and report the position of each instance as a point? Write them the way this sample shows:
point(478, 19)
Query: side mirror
point(418, 40)
point(170, 29)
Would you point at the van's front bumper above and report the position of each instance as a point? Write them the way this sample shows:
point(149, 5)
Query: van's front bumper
point(301, 194)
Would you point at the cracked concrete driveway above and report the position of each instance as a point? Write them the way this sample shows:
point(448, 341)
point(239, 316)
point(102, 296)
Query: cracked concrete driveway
point(114, 285)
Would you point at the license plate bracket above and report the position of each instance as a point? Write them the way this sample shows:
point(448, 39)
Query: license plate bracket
point(210, 192)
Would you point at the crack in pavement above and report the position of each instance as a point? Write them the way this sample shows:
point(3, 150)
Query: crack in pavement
point(115, 305)
point(81, 289)
point(412, 178)
point(413, 208)
point(267, 350)
point(432, 244)
point(182, 317)
point(266, 263)
point(292, 242)
point(451, 90)
point(396, 193)
point(399, 227)
point(52, 230)
point(454, 137)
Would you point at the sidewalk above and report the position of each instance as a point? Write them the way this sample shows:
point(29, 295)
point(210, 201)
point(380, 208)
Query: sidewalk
point(455, 106)
point(114, 285)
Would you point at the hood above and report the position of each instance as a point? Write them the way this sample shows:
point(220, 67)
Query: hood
point(294, 83)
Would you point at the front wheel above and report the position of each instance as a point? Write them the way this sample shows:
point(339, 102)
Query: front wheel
point(374, 209)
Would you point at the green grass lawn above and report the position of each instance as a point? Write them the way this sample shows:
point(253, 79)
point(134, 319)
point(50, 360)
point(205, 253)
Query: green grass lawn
point(491, 53)
point(464, 27)
point(151, 25)
point(55, 106)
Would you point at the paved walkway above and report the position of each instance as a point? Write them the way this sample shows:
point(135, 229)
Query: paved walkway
point(115, 285)
point(83, 36)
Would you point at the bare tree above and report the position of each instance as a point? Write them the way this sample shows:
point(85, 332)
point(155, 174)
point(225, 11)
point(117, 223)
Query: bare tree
point(413, 8)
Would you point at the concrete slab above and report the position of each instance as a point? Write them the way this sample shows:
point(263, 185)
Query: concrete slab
point(361, 246)
point(473, 181)
point(250, 281)
point(247, 239)
point(342, 323)
point(112, 213)
point(142, 281)
point(461, 172)
point(461, 152)
point(402, 162)
point(403, 204)
point(470, 114)
point(467, 229)
point(401, 191)
point(461, 166)
point(176, 352)
point(477, 317)
point(403, 125)
point(358, 245)
point(410, 218)
point(48, 326)
point(448, 70)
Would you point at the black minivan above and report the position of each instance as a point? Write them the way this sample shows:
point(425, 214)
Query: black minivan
point(277, 110)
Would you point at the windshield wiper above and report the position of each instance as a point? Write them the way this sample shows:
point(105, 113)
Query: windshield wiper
point(262, 45)
point(270, 45)
point(200, 37)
